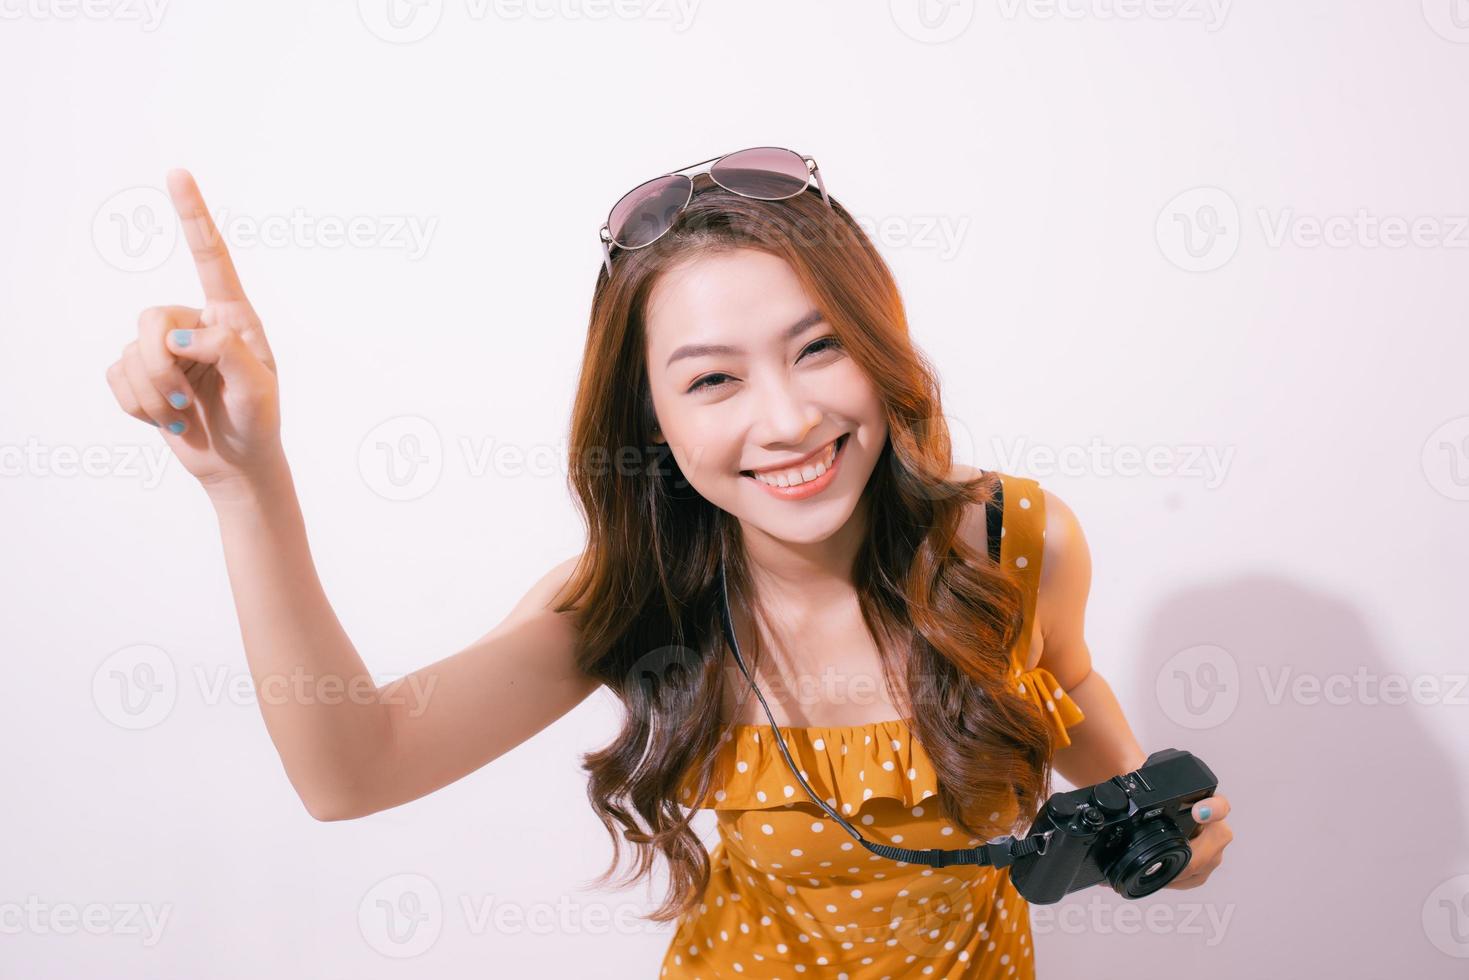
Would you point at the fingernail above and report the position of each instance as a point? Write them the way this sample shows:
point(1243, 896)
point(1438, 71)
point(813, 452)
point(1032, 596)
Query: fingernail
point(183, 337)
point(176, 427)
point(1204, 812)
point(151, 422)
point(178, 399)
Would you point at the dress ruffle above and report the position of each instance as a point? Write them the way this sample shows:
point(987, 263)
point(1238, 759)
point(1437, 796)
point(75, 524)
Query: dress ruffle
point(847, 765)
point(1057, 707)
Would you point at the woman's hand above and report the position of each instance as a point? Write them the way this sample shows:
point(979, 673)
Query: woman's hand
point(206, 376)
point(1208, 843)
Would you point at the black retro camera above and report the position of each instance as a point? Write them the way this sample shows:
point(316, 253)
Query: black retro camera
point(1131, 831)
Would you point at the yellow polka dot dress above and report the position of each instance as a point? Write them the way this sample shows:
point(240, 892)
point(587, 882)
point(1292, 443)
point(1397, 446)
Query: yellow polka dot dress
point(792, 895)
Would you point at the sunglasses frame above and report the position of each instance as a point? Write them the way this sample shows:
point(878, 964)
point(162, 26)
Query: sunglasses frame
point(694, 170)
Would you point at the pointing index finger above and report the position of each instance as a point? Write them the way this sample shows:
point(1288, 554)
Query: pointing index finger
point(211, 258)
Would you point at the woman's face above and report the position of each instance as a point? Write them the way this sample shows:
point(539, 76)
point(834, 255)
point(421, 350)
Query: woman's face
point(745, 377)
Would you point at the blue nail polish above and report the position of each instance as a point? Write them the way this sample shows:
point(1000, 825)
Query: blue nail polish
point(183, 337)
point(176, 427)
point(1204, 813)
point(178, 399)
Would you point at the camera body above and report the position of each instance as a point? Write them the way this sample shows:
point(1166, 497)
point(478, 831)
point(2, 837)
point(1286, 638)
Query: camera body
point(1130, 831)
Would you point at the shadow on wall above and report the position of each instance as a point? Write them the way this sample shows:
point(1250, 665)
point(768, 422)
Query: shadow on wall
point(1350, 857)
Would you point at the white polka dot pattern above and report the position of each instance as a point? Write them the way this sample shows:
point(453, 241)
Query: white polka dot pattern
point(792, 895)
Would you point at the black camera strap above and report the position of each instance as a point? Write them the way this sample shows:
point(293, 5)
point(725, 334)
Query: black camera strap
point(998, 852)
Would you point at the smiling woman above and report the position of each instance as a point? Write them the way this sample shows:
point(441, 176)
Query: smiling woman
point(770, 426)
point(762, 347)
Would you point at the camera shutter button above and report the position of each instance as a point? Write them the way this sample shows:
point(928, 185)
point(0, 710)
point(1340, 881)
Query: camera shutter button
point(1109, 798)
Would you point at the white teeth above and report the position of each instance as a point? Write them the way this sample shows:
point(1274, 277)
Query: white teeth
point(805, 474)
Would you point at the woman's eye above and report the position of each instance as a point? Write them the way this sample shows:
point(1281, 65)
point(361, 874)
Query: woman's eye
point(831, 341)
point(708, 382)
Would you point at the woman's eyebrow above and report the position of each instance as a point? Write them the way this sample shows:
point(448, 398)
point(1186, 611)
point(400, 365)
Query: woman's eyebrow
point(699, 350)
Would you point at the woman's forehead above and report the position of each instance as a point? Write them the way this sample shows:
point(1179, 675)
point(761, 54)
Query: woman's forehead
point(728, 297)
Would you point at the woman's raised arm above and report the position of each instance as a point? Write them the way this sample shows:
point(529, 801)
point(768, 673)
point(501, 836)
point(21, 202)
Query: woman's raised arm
point(207, 377)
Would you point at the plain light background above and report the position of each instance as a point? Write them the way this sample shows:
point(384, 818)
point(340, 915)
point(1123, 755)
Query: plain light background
point(1229, 239)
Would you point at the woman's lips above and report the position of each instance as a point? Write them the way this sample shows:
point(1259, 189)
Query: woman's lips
point(811, 487)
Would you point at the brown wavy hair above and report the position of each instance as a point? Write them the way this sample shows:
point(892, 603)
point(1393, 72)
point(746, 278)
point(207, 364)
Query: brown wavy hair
point(646, 590)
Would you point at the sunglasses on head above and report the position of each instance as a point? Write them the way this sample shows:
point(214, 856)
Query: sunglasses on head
point(646, 213)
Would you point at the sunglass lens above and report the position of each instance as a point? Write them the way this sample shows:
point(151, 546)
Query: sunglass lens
point(765, 172)
point(648, 210)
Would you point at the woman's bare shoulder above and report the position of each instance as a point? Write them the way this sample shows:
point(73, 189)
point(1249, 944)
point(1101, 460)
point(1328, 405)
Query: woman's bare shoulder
point(550, 588)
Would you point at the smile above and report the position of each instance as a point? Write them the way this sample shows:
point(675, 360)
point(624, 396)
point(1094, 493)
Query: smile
point(798, 482)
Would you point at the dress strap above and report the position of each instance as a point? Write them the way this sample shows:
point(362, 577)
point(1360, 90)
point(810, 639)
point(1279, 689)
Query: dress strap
point(1022, 544)
point(1021, 541)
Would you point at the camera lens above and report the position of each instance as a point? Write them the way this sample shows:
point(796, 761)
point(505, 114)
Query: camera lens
point(1153, 858)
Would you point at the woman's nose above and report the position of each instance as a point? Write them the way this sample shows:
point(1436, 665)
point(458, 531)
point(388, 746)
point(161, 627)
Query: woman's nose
point(788, 415)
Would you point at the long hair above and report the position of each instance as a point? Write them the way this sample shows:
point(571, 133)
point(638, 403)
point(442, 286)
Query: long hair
point(646, 591)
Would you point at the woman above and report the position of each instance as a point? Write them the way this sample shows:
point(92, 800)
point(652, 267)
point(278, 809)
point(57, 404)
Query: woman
point(751, 411)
